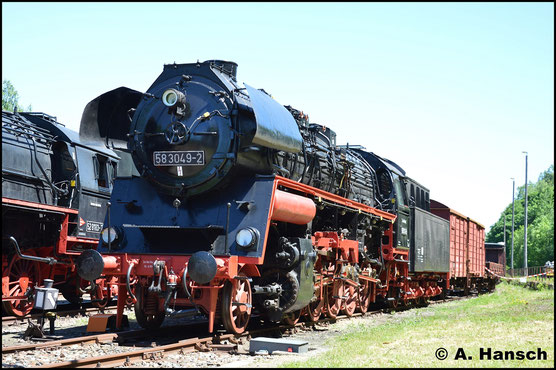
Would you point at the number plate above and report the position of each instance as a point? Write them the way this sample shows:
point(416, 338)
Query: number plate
point(94, 227)
point(186, 158)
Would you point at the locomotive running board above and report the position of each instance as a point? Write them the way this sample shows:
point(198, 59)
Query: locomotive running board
point(322, 194)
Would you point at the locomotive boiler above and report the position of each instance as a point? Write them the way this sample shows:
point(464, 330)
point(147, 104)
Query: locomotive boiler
point(228, 203)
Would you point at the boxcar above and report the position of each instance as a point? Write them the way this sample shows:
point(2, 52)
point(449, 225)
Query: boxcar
point(467, 248)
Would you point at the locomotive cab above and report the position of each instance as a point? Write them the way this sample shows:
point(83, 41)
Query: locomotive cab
point(417, 230)
point(84, 173)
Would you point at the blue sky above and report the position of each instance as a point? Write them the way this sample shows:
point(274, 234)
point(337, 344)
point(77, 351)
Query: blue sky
point(452, 92)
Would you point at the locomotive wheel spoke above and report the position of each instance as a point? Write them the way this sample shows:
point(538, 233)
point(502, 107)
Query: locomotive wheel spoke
point(236, 305)
point(364, 297)
point(23, 275)
point(351, 301)
point(314, 308)
point(335, 291)
point(394, 297)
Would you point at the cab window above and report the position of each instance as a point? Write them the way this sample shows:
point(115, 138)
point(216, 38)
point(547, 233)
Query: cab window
point(384, 183)
point(102, 172)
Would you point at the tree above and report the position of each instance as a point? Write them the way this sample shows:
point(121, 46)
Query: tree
point(540, 223)
point(10, 98)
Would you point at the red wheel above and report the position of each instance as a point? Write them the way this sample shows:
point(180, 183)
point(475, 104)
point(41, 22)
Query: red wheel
point(393, 297)
point(237, 302)
point(291, 318)
point(364, 297)
point(351, 301)
point(314, 309)
point(18, 279)
point(334, 294)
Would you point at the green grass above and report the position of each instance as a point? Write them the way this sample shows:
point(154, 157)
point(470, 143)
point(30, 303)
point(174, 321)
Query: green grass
point(510, 319)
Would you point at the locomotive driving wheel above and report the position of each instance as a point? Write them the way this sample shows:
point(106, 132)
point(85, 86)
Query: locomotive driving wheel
point(364, 297)
point(314, 309)
point(393, 297)
point(20, 277)
point(350, 293)
point(237, 302)
point(335, 292)
point(146, 308)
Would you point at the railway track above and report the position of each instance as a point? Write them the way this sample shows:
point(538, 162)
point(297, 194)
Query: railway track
point(153, 351)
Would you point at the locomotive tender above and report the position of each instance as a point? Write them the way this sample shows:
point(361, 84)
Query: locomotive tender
point(55, 188)
point(228, 203)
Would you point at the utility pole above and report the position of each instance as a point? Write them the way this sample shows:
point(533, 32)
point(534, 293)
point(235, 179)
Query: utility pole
point(525, 238)
point(504, 230)
point(513, 215)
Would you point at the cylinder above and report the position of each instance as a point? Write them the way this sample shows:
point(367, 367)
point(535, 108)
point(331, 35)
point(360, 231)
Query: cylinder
point(292, 208)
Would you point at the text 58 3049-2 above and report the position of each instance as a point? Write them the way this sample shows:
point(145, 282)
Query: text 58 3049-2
point(179, 158)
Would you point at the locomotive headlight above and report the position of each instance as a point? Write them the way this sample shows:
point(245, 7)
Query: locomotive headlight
point(107, 234)
point(246, 238)
point(173, 97)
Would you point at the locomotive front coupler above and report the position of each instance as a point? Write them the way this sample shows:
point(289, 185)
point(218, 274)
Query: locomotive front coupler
point(158, 269)
point(171, 312)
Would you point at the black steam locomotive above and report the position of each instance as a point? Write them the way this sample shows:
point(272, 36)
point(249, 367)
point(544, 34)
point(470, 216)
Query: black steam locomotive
point(227, 202)
point(55, 188)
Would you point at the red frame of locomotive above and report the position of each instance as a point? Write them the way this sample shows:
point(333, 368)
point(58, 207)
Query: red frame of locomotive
point(335, 290)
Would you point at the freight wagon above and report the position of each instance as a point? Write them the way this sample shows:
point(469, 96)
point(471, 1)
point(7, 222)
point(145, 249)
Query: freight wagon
point(467, 250)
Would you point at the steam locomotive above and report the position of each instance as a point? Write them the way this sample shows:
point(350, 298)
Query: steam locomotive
point(229, 204)
point(55, 188)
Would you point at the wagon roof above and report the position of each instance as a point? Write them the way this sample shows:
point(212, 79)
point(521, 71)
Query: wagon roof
point(436, 205)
